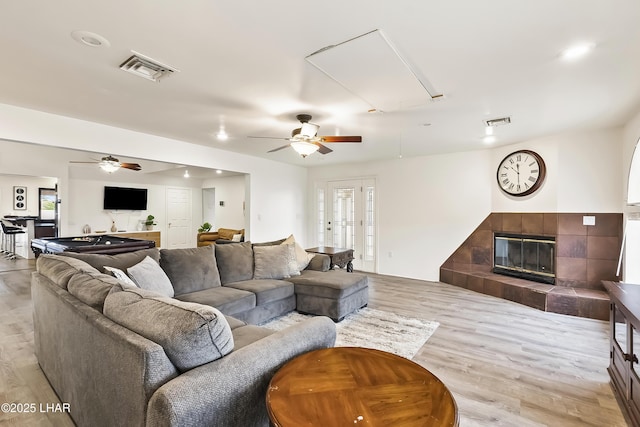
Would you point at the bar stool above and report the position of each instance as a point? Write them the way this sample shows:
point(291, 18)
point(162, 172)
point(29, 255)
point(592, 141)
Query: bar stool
point(9, 233)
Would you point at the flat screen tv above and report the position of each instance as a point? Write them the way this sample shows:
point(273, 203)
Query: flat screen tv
point(122, 198)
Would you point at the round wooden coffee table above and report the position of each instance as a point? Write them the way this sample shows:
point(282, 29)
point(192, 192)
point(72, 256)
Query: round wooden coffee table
point(352, 386)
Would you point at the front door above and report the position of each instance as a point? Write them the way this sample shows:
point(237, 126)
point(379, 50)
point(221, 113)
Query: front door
point(350, 213)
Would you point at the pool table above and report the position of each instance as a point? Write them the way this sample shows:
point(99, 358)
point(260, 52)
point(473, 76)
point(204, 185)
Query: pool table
point(97, 244)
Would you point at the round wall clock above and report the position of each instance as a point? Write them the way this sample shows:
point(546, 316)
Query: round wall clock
point(521, 173)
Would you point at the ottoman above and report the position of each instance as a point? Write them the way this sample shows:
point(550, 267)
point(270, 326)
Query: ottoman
point(333, 293)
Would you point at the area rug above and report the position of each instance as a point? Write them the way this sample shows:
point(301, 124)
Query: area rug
point(372, 328)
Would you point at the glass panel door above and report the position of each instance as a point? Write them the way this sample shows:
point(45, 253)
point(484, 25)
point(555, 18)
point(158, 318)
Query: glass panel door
point(350, 219)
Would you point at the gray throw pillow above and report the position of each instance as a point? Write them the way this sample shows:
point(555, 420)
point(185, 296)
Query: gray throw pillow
point(191, 334)
point(235, 262)
point(190, 270)
point(271, 262)
point(148, 274)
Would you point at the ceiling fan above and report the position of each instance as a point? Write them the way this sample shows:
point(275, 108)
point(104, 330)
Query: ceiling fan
point(305, 139)
point(111, 164)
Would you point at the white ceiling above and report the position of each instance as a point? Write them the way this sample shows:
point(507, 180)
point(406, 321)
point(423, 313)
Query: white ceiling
point(242, 65)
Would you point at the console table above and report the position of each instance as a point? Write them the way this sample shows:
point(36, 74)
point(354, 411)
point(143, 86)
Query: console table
point(624, 348)
point(345, 386)
point(339, 256)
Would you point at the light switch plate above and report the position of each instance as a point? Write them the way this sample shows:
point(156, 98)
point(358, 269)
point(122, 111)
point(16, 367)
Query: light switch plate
point(588, 220)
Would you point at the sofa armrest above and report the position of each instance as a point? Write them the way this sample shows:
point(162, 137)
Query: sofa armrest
point(231, 391)
point(208, 236)
point(320, 262)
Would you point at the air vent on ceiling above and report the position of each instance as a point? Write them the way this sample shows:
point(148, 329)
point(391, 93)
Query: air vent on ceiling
point(498, 122)
point(146, 67)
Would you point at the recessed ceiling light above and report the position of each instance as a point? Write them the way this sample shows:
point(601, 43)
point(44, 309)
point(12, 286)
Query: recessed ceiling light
point(576, 51)
point(88, 38)
point(489, 139)
point(222, 135)
point(218, 171)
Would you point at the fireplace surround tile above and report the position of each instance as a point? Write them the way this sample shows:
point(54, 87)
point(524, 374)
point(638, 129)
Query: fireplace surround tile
point(603, 247)
point(571, 246)
point(571, 223)
point(584, 257)
point(533, 223)
point(512, 222)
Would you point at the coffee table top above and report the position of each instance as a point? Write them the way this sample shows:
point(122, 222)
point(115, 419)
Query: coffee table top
point(358, 386)
point(327, 250)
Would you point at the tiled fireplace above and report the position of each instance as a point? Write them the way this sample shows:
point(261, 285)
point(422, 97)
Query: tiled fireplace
point(583, 256)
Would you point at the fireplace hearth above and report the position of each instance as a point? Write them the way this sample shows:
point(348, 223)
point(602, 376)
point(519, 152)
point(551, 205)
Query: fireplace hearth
point(524, 256)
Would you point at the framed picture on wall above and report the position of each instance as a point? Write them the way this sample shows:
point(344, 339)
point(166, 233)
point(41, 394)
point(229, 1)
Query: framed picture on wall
point(19, 198)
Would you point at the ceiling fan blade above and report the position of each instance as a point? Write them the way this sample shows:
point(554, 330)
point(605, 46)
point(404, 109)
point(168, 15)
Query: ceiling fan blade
point(341, 138)
point(268, 137)
point(323, 148)
point(279, 148)
point(132, 166)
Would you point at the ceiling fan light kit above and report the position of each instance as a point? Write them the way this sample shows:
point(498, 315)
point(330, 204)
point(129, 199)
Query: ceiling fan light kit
point(304, 148)
point(109, 166)
point(304, 140)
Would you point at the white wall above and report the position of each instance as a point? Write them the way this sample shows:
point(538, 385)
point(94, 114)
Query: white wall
point(275, 196)
point(33, 184)
point(86, 186)
point(584, 172)
point(426, 207)
point(631, 272)
point(229, 190)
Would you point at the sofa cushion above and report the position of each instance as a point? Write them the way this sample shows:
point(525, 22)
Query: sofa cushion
point(333, 284)
point(235, 262)
point(248, 334)
point(265, 290)
point(92, 288)
point(148, 274)
point(120, 261)
point(271, 262)
point(190, 270)
point(191, 334)
point(60, 269)
point(230, 301)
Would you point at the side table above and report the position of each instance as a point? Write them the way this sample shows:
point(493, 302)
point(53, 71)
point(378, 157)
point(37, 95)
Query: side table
point(339, 256)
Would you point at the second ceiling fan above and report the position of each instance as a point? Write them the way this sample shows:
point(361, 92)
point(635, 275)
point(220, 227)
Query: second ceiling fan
point(305, 139)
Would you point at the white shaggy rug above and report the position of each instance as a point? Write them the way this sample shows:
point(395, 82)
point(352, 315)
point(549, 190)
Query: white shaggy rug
point(372, 328)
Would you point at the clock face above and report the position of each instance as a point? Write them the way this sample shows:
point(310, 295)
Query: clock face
point(521, 173)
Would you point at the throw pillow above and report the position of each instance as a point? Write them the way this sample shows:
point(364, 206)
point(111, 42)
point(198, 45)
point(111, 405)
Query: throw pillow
point(191, 334)
point(302, 256)
point(120, 275)
point(191, 269)
point(235, 262)
point(237, 238)
point(291, 259)
point(148, 274)
point(271, 262)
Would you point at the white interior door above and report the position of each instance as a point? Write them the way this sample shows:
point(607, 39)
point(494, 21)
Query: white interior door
point(179, 227)
point(350, 220)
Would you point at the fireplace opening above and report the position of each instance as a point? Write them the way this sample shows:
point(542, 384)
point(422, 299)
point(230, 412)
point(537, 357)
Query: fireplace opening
point(526, 257)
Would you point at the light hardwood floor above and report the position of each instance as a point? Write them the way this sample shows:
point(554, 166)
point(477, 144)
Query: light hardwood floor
point(506, 364)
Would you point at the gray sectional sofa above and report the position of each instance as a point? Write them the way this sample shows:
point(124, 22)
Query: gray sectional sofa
point(186, 354)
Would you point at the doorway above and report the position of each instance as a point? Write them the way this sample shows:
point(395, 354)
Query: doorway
point(347, 219)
